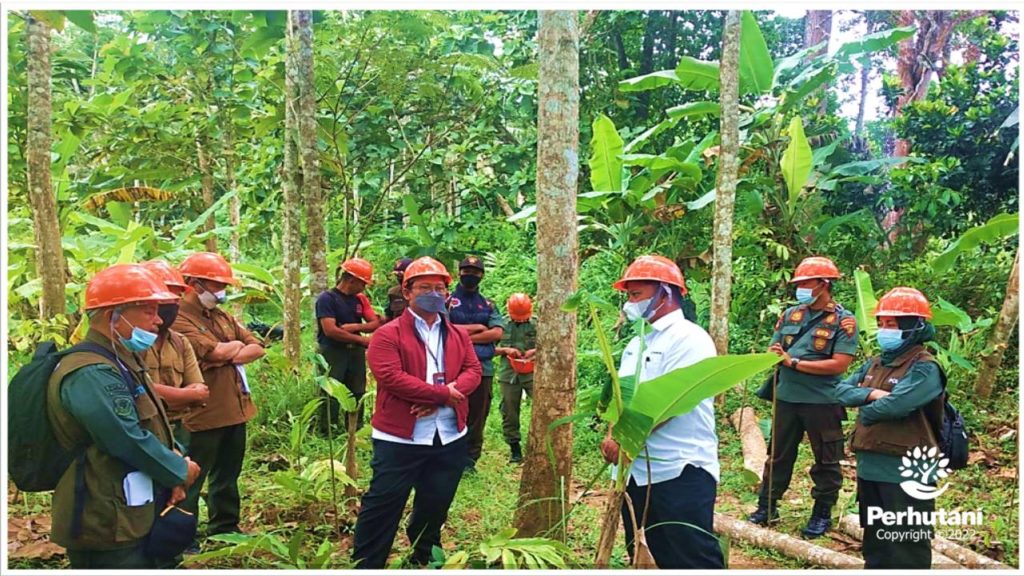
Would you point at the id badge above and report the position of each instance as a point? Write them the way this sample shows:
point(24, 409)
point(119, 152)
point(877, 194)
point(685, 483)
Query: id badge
point(439, 379)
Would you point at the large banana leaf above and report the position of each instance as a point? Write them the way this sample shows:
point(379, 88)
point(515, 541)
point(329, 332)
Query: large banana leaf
point(693, 74)
point(866, 302)
point(756, 69)
point(796, 160)
point(680, 391)
point(649, 81)
point(999, 227)
point(873, 42)
point(694, 109)
point(605, 164)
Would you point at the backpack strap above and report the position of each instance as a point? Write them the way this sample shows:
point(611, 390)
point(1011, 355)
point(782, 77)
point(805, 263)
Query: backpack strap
point(80, 450)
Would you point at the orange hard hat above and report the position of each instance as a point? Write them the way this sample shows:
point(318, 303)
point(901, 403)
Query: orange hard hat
point(521, 365)
point(814, 267)
point(359, 268)
point(426, 266)
point(520, 308)
point(903, 301)
point(124, 284)
point(653, 268)
point(170, 276)
point(208, 266)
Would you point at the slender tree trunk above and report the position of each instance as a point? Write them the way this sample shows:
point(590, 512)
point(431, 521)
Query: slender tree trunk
point(235, 204)
point(997, 341)
point(818, 28)
point(647, 61)
point(291, 180)
point(544, 489)
point(865, 77)
point(301, 22)
point(206, 178)
point(46, 228)
point(725, 195)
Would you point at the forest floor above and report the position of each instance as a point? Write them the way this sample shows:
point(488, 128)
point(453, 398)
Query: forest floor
point(278, 502)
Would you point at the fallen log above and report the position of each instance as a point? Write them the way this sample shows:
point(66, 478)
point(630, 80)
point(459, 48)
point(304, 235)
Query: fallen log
point(790, 546)
point(850, 524)
point(755, 451)
point(965, 556)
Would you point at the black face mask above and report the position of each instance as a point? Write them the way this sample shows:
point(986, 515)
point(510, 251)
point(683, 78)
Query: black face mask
point(167, 313)
point(470, 281)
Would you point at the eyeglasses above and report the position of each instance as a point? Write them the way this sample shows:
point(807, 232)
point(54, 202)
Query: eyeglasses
point(429, 288)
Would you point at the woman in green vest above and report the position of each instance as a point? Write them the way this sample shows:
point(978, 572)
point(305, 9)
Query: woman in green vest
point(900, 399)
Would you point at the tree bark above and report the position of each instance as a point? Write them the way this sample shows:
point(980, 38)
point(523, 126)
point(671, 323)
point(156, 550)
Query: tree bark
point(301, 22)
point(206, 178)
point(725, 195)
point(49, 254)
point(850, 525)
point(647, 61)
point(235, 204)
point(818, 28)
point(291, 180)
point(543, 491)
point(786, 544)
point(865, 77)
point(1000, 336)
point(755, 451)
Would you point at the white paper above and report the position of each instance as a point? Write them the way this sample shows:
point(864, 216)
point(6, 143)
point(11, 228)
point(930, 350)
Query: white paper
point(243, 377)
point(138, 488)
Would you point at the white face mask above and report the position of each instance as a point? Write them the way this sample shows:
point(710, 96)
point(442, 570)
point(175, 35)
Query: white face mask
point(643, 309)
point(209, 300)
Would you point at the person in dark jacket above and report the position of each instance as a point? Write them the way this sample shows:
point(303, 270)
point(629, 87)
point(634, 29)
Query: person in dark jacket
point(425, 369)
point(900, 399)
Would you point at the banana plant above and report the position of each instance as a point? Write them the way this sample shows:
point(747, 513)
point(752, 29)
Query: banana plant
point(634, 411)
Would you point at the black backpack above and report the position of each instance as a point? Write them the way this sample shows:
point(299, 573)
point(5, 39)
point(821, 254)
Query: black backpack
point(954, 438)
point(36, 459)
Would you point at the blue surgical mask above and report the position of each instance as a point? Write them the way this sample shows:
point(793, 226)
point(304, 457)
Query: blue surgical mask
point(805, 295)
point(140, 340)
point(889, 338)
point(431, 302)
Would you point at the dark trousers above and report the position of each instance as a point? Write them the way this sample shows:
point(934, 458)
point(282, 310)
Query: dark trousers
point(348, 366)
point(689, 499)
point(479, 407)
point(823, 424)
point(882, 546)
point(511, 402)
point(433, 471)
point(219, 452)
point(122, 559)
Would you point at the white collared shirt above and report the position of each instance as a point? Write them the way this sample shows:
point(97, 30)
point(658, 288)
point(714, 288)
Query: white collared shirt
point(443, 421)
point(674, 342)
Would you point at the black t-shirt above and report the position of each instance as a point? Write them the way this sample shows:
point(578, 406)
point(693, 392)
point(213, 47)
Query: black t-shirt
point(343, 308)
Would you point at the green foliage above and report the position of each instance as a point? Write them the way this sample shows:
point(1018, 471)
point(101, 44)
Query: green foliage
point(796, 161)
point(997, 228)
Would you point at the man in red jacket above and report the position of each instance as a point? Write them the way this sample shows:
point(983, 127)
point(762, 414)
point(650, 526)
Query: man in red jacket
point(425, 369)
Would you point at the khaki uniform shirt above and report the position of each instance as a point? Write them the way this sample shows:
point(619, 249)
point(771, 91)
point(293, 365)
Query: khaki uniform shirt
point(172, 362)
point(205, 329)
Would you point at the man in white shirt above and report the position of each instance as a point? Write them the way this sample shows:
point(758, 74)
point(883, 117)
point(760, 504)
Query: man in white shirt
point(425, 369)
point(678, 467)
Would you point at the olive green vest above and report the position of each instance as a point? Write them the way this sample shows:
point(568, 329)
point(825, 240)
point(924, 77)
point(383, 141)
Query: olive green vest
point(895, 437)
point(108, 523)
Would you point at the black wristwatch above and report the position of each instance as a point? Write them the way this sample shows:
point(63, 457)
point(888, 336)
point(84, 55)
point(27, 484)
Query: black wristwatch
point(793, 362)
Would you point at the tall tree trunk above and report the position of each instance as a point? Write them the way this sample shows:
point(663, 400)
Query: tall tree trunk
point(725, 195)
point(46, 229)
point(647, 61)
point(301, 22)
point(818, 28)
point(291, 180)
point(544, 488)
point(997, 341)
point(865, 77)
point(206, 178)
point(235, 204)
point(620, 49)
point(671, 37)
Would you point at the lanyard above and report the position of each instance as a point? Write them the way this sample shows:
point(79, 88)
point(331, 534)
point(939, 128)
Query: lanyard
point(438, 365)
